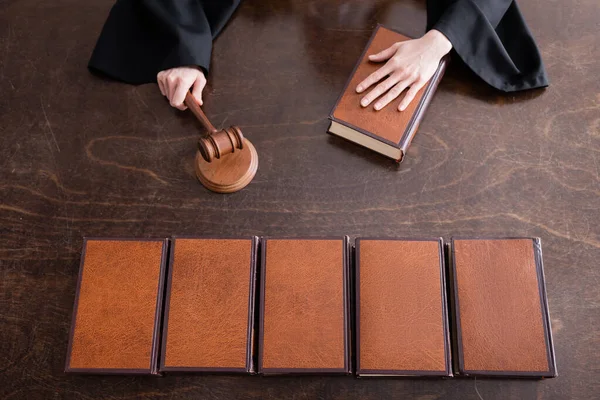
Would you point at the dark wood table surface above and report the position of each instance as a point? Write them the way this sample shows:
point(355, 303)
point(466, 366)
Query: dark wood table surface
point(80, 155)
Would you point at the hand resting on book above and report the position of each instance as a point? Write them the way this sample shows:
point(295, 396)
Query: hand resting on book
point(409, 65)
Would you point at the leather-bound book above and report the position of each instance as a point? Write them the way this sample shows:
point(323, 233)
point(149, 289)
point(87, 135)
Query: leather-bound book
point(209, 308)
point(501, 319)
point(118, 306)
point(387, 131)
point(304, 306)
point(401, 319)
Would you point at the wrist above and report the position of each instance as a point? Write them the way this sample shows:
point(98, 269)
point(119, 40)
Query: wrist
point(439, 42)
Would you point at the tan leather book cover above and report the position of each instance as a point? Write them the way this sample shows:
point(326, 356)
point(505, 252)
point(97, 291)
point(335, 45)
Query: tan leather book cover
point(401, 319)
point(118, 306)
point(209, 307)
point(304, 307)
point(501, 317)
point(387, 131)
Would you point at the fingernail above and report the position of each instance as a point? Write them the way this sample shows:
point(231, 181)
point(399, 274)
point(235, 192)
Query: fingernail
point(377, 107)
point(364, 102)
point(359, 89)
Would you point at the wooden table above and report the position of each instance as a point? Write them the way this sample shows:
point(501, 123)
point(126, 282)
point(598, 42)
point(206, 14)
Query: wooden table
point(84, 156)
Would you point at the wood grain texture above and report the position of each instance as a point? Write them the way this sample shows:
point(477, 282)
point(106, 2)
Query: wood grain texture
point(84, 156)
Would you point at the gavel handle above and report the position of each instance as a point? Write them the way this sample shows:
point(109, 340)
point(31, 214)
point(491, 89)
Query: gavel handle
point(193, 105)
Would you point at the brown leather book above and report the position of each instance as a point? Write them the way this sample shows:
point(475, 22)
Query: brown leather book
point(401, 319)
point(304, 306)
point(387, 131)
point(501, 321)
point(118, 306)
point(209, 307)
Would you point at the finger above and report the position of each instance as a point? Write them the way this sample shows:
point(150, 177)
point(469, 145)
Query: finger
point(183, 86)
point(161, 84)
point(379, 90)
point(391, 94)
point(198, 88)
point(410, 95)
point(373, 78)
point(170, 84)
point(385, 54)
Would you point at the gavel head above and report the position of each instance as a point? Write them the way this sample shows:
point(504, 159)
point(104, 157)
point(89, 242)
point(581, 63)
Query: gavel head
point(221, 143)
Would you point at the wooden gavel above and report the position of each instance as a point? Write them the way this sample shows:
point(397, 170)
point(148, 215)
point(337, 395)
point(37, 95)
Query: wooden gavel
point(225, 161)
point(217, 143)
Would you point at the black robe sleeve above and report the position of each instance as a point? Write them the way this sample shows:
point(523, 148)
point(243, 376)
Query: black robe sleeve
point(143, 37)
point(491, 37)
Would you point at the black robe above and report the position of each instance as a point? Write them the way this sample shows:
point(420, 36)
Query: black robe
point(143, 37)
point(491, 37)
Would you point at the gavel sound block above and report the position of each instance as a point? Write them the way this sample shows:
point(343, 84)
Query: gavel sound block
point(226, 161)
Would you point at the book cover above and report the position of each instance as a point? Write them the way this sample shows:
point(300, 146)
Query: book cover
point(118, 307)
point(209, 307)
point(304, 310)
point(501, 321)
point(401, 318)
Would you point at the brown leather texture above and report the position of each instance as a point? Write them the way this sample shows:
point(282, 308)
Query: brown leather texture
point(304, 325)
point(499, 306)
point(116, 306)
point(387, 123)
point(207, 323)
point(401, 318)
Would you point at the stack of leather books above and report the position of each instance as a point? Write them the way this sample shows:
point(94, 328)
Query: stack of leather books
point(270, 306)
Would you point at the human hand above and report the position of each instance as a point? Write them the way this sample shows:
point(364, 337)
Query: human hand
point(410, 64)
point(174, 83)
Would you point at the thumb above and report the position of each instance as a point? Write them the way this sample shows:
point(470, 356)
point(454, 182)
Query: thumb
point(385, 54)
point(198, 87)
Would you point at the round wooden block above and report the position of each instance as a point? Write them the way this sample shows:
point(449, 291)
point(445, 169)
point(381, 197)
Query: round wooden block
point(230, 173)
